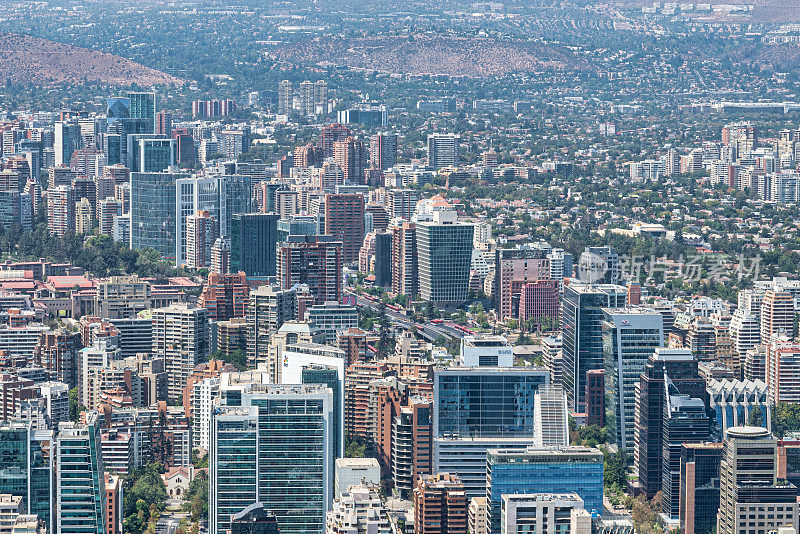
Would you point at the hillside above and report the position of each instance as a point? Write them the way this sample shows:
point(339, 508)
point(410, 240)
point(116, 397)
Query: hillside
point(429, 55)
point(26, 59)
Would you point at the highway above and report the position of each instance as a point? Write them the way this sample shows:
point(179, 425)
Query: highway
point(428, 330)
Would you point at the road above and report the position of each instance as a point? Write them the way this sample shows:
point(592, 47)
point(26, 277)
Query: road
point(167, 524)
point(428, 330)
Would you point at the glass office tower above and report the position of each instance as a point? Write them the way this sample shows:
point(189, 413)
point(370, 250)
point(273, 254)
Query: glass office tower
point(548, 470)
point(277, 449)
point(480, 408)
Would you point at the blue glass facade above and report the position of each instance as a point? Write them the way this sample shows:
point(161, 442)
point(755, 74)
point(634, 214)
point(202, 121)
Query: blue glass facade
point(277, 449)
point(81, 495)
point(571, 469)
point(486, 403)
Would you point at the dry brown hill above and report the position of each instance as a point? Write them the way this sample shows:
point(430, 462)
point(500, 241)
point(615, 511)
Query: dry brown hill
point(475, 57)
point(26, 59)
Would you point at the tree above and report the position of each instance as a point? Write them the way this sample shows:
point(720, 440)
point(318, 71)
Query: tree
point(615, 470)
point(198, 496)
point(785, 418)
point(755, 418)
point(145, 498)
point(75, 406)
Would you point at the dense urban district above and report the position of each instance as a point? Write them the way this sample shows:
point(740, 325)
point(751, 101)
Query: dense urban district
point(399, 268)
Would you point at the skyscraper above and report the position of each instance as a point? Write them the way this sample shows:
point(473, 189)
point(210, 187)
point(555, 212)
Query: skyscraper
point(444, 252)
point(155, 155)
point(253, 240)
point(575, 469)
point(268, 309)
point(699, 499)
point(516, 265)
point(777, 314)
point(153, 217)
point(202, 230)
point(479, 408)
point(630, 336)
point(351, 155)
point(181, 337)
point(680, 367)
point(143, 106)
point(285, 97)
point(581, 322)
point(312, 260)
point(80, 481)
point(405, 274)
point(383, 150)
point(61, 211)
point(276, 448)
point(344, 220)
point(26, 471)
point(443, 150)
point(752, 499)
point(685, 421)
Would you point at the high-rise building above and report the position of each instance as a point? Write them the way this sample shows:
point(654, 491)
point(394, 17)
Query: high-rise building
point(680, 368)
point(752, 499)
point(164, 123)
point(344, 220)
point(699, 499)
point(329, 135)
point(312, 260)
point(253, 240)
point(478, 516)
point(444, 251)
point(359, 509)
point(225, 296)
point(402, 203)
point(581, 323)
point(595, 397)
point(777, 314)
point(351, 155)
point(512, 268)
point(153, 215)
point(26, 471)
point(143, 106)
point(109, 209)
point(383, 150)
point(443, 150)
point(685, 421)
point(66, 140)
point(630, 336)
point(405, 275)
point(550, 411)
point(83, 216)
point(268, 309)
point(80, 480)
point(479, 408)
point(61, 211)
point(440, 505)
point(276, 448)
point(285, 97)
point(742, 137)
point(154, 155)
point(202, 231)
point(193, 195)
point(599, 265)
point(544, 470)
point(181, 337)
point(57, 351)
point(745, 332)
point(783, 372)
